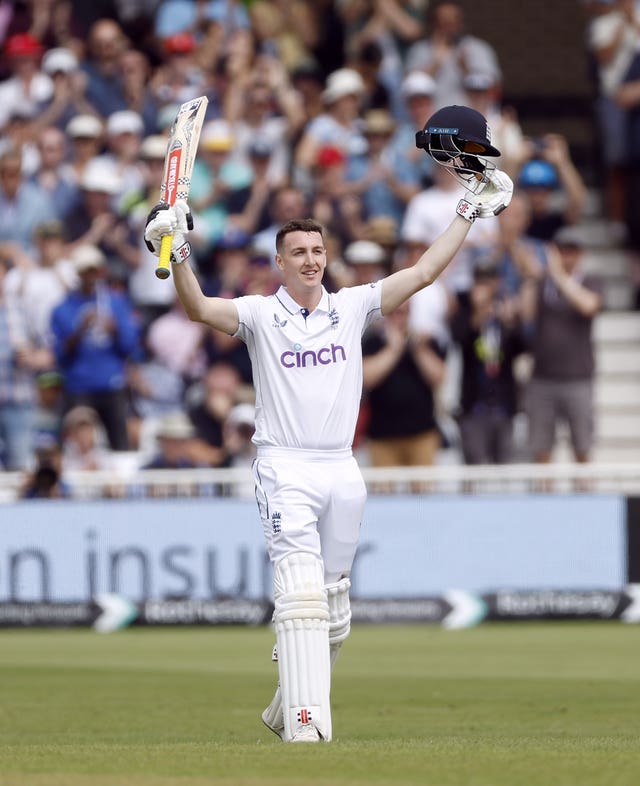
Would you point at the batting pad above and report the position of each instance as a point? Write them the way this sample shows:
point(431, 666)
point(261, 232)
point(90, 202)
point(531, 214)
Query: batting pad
point(339, 615)
point(301, 621)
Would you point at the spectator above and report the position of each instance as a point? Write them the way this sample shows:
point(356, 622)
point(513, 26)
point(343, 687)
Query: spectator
point(554, 187)
point(417, 91)
point(237, 433)
point(335, 203)
point(262, 105)
point(613, 35)
point(41, 282)
point(175, 444)
point(560, 305)
point(428, 214)
point(45, 481)
point(124, 134)
point(49, 406)
point(220, 185)
point(488, 329)
point(628, 99)
point(308, 80)
point(366, 262)
point(230, 268)
point(482, 93)
point(135, 75)
point(69, 83)
point(338, 127)
point(95, 335)
point(27, 86)
point(385, 179)
point(178, 77)
point(177, 16)
point(23, 204)
point(105, 44)
point(86, 135)
point(209, 406)
point(20, 134)
point(54, 176)
point(449, 53)
point(54, 24)
point(178, 343)
point(20, 359)
point(96, 222)
point(285, 29)
point(84, 441)
point(150, 295)
point(514, 246)
point(401, 374)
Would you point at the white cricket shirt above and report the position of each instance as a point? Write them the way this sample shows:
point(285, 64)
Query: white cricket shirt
point(307, 367)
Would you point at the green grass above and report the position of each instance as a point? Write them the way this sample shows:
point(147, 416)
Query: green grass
point(498, 705)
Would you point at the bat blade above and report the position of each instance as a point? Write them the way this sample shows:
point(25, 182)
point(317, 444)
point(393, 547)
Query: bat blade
point(182, 147)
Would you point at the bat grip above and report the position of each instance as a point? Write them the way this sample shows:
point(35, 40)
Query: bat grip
point(162, 271)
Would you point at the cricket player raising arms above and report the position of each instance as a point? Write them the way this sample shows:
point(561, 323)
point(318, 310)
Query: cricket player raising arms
point(305, 349)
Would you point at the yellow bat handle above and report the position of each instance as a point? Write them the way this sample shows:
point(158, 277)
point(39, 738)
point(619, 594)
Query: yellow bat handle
point(162, 271)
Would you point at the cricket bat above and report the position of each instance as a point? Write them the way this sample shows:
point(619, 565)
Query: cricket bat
point(178, 164)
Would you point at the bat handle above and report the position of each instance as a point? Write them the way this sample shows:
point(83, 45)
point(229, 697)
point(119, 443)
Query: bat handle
point(162, 271)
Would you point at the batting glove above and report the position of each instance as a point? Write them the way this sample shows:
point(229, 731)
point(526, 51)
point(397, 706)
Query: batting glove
point(496, 195)
point(490, 201)
point(173, 220)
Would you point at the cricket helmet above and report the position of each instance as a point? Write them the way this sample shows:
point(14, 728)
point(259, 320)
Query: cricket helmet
point(459, 138)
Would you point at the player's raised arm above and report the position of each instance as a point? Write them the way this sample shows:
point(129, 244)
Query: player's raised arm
point(219, 313)
point(459, 139)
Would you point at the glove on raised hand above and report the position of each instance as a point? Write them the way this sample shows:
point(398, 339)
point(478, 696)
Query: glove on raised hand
point(173, 220)
point(490, 201)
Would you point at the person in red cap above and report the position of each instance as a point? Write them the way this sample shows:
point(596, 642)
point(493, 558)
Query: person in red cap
point(179, 78)
point(28, 86)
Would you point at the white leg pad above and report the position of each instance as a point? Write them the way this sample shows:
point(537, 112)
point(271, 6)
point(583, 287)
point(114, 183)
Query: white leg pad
point(339, 629)
point(301, 621)
point(339, 615)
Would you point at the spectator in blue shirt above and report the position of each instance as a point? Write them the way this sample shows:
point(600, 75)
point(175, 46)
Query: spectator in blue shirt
point(95, 334)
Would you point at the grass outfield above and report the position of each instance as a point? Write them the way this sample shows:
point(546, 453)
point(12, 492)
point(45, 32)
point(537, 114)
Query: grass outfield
point(497, 705)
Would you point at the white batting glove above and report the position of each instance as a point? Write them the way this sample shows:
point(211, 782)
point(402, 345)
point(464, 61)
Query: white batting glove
point(496, 195)
point(490, 201)
point(173, 220)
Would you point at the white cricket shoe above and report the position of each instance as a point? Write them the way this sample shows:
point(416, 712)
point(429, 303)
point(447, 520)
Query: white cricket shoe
point(307, 733)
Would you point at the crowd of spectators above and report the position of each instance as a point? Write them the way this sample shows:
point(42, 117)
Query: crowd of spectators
point(313, 108)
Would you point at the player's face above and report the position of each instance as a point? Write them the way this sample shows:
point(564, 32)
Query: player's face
point(302, 261)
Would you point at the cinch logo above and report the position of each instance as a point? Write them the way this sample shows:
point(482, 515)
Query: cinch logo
point(308, 357)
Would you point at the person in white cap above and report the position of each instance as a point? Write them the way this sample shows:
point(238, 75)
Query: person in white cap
point(417, 90)
point(69, 82)
point(124, 135)
point(338, 126)
point(305, 348)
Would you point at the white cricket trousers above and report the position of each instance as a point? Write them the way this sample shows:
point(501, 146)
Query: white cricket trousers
point(310, 502)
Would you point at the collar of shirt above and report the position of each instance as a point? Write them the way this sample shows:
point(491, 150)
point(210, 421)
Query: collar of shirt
point(295, 308)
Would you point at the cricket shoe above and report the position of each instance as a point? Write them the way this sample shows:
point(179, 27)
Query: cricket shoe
point(307, 733)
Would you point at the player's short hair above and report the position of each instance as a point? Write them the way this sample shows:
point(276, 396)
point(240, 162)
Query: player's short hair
point(297, 225)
